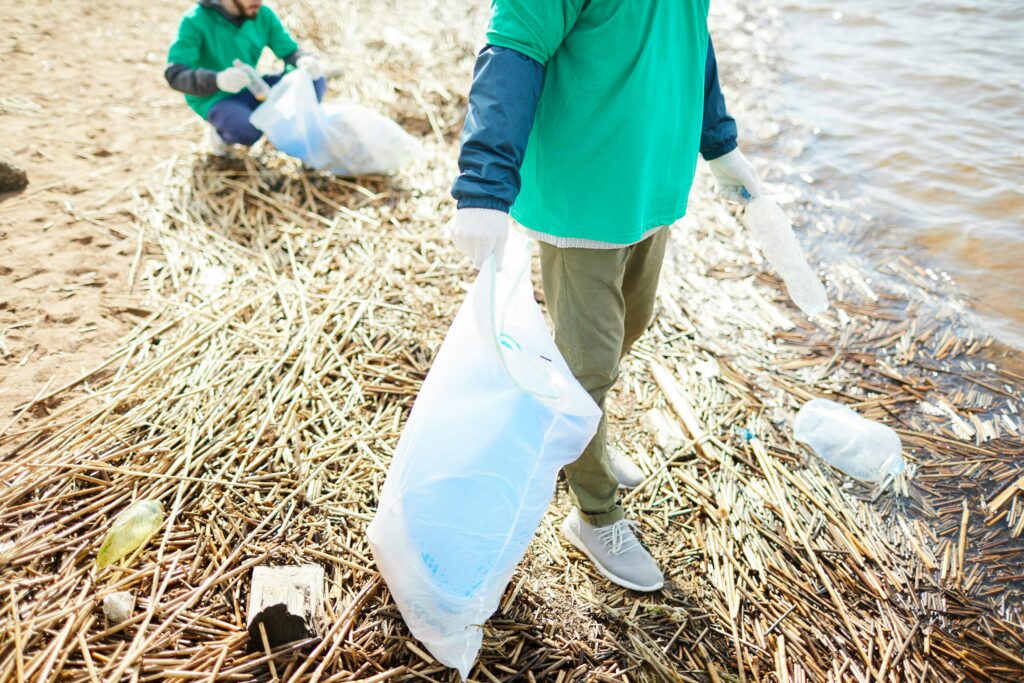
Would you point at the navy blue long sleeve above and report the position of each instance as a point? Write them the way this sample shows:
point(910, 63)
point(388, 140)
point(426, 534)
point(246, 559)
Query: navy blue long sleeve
point(502, 104)
point(718, 130)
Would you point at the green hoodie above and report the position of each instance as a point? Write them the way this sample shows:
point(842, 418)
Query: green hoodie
point(208, 39)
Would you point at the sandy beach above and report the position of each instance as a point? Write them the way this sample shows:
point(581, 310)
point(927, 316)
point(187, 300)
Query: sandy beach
point(91, 125)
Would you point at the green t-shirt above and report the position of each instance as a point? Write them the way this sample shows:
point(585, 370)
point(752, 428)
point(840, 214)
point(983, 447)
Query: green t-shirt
point(208, 40)
point(614, 143)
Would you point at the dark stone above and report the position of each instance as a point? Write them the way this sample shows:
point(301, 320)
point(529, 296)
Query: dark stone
point(12, 175)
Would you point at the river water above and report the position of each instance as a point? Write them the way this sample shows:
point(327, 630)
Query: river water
point(918, 112)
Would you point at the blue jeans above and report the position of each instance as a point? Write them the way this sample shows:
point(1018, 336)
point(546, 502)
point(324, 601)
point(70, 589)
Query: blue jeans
point(230, 116)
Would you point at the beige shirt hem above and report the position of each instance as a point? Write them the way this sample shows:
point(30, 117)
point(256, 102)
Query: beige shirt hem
point(580, 243)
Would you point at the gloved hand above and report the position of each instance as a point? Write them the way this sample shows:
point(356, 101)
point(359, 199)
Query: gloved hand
point(734, 173)
point(311, 65)
point(232, 79)
point(478, 233)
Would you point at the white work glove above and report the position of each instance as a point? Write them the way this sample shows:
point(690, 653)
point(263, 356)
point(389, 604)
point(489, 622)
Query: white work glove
point(734, 173)
point(478, 233)
point(311, 65)
point(232, 79)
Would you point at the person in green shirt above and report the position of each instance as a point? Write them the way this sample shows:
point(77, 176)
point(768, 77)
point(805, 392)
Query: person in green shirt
point(585, 121)
point(212, 36)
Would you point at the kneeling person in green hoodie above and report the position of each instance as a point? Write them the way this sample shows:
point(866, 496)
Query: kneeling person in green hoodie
point(211, 37)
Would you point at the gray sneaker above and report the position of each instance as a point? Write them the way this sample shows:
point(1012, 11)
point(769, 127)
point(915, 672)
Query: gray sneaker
point(615, 551)
point(626, 471)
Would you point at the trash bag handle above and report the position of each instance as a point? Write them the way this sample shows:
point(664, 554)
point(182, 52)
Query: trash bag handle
point(500, 338)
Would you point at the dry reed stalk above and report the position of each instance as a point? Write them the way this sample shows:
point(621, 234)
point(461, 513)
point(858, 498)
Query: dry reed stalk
point(292, 318)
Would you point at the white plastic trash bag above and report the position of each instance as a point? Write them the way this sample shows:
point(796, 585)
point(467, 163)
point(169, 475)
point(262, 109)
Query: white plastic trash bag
point(345, 139)
point(498, 415)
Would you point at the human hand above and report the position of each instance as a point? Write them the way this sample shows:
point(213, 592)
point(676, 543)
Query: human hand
point(311, 65)
point(478, 233)
point(232, 79)
point(734, 174)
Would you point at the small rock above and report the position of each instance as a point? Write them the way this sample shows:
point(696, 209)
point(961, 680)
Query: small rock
point(12, 175)
point(287, 601)
point(118, 606)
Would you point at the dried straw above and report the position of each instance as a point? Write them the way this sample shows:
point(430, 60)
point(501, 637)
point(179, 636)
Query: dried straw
point(289, 319)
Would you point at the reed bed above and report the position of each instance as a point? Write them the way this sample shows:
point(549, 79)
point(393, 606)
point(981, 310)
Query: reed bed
point(287, 320)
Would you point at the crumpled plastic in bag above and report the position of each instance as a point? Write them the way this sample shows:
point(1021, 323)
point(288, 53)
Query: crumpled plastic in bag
point(475, 469)
point(345, 139)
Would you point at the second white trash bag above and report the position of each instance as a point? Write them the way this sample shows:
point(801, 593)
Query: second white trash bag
point(474, 472)
point(345, 139)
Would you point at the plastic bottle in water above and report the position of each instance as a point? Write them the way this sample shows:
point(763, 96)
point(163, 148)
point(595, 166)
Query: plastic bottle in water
point(859, 447)
point(774, 232)
point(257, 86)
point(130, 530)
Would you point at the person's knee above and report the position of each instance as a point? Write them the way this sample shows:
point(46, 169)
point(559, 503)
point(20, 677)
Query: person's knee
point(230, 118)
point(593, 360)
point(598, 381)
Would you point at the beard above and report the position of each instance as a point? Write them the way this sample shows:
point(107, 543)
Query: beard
point(242, 9)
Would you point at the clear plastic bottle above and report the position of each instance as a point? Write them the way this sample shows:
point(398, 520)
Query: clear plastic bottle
point(774, 233)
point(257, 86)
point(859, 447)
point(130, 530)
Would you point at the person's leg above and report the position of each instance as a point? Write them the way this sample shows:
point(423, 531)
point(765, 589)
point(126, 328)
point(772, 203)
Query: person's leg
point(640, 285)
point(583, 292)
point(230, 117)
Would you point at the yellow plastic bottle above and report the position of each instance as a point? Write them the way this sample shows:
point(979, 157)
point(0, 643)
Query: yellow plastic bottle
point(130, 531)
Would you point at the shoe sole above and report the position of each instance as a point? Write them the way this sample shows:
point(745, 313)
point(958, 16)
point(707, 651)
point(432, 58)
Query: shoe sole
point(574, 538)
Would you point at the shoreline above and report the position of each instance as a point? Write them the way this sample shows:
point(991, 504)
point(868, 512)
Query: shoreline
point(265, 409)
point(836, 214)
point(840, 237)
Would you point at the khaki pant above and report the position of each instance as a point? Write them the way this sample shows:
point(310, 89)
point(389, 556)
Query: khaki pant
point(601, 301)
